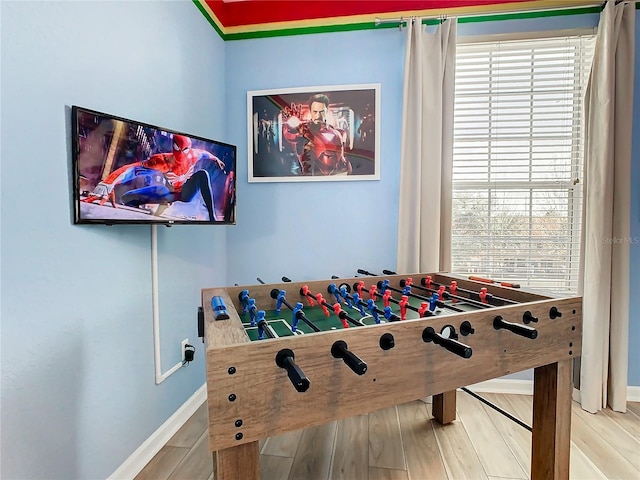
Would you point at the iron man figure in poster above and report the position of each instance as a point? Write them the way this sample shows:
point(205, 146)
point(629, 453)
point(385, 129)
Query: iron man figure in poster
point(318, 145)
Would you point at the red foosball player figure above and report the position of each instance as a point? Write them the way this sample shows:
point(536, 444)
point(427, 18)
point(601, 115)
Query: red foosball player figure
point(373, 292)
point(453, 289)
point(404, 301)
point(386, 298)
point(323, 304)
point(408, 282)
point(360, 287)
point(441, 290)
point(428, 281)
point(483, 295)
point(337, 309)
point(422, 310)
point(306, 293)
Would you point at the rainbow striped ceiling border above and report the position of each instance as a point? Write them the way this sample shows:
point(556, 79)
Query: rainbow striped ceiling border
point(243, 19)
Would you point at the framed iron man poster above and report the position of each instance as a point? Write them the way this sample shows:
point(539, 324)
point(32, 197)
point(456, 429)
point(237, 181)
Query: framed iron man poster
point(325, 133)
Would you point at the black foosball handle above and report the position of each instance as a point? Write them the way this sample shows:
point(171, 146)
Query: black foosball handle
point(362, 271)
point(339, 350)
point(286, 279)
point(522, 330)
point(454, 346)
point(388, 272)
point(285, 359)
point(554, 313)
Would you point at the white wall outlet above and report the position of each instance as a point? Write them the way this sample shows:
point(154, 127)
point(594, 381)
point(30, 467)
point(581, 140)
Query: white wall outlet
point(182, 347)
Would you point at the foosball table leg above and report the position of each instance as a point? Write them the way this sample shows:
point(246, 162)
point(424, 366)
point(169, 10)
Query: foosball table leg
point(551, 431)
point(443, 408)
point(237, 463)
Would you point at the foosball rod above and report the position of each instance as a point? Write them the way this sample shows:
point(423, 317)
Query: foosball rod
point(288, 280)
point(424, 299)
point(391, 299)
point(470, 292)
point(384, 272)
point(446, 295)
point(502, 283)
point(266, 328)
point(362, 271)
point(342, 315)
point(299, 315)
point(455, 309)
point(420, 297)
point(393, 317)
point(362, 303)
point(262, 323)
point(440, 304)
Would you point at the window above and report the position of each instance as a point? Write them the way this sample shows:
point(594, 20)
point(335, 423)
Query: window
point(517, 161)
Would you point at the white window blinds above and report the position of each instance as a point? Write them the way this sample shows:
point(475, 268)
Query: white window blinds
point(517, 162)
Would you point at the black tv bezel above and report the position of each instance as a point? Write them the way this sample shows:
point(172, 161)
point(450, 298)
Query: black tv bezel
point(75, 160)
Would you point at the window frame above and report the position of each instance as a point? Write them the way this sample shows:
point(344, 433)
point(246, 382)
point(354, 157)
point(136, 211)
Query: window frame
point(574, 205)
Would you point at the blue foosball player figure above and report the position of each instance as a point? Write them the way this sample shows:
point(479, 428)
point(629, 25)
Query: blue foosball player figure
point(294, 324)
point(244, 297)
point(282, 294)
point(373, 309)
point(253, 310)
point(262, 324)
point(433, 301)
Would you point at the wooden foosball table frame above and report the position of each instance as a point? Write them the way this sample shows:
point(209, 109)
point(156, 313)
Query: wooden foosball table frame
point(251, 398)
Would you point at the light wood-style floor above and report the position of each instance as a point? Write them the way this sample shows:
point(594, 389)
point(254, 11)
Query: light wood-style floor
point(405, 443)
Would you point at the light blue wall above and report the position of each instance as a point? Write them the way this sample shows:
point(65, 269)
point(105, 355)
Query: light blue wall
point(78, 384)
point(315, 230)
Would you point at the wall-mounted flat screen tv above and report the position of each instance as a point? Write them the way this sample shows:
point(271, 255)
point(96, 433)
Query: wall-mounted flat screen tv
point(126, 171)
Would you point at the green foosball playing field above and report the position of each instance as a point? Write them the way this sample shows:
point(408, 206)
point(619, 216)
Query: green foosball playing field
point(281, 323)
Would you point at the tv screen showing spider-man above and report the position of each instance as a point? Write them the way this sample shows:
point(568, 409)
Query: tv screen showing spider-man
point(132, 172)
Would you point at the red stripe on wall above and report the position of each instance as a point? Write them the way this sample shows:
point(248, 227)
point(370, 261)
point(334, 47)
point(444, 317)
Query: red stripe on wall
point(252, 12)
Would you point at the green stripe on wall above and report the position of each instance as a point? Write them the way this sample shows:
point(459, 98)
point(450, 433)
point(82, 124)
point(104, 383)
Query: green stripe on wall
point(525, 15)
point(372, 26)
point(306, 30)
point(208, 17)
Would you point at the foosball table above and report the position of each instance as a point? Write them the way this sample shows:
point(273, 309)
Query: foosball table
point(292, 355)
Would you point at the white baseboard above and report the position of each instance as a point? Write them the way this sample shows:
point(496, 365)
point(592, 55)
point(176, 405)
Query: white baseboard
point(133, 465)
point(500, 385)
point(525, 387)
point(633, 394)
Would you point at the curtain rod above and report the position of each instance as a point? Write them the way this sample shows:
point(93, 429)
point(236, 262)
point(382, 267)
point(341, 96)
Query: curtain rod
point(402, 20)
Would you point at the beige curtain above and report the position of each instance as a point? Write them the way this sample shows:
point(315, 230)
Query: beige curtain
point(424, 217)
point(606, 229)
